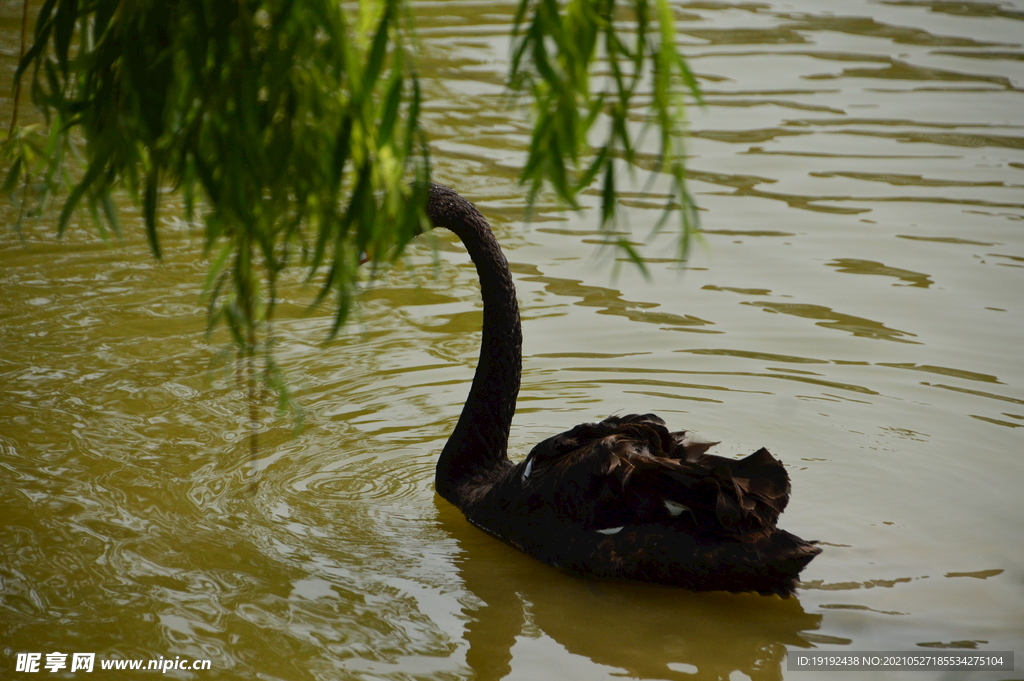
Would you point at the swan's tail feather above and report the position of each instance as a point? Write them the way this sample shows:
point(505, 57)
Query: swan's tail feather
point(718, 490)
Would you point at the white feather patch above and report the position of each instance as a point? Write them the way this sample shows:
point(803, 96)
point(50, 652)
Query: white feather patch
point(611, 530)
point(674, 508)
point(528, 469)
point(693, 444)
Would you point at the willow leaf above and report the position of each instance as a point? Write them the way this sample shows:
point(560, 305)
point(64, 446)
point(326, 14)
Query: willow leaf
point(149, 208)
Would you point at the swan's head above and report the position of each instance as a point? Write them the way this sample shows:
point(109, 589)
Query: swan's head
point(445, 208)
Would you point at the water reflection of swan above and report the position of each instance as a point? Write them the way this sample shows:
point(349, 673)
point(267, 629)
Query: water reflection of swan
point(623, 498)
point(518, 607)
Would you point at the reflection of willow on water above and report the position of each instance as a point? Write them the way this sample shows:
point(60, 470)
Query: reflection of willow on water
point(649, 631)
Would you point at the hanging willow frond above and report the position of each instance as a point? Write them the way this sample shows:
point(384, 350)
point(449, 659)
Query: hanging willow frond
point(587, 66)
point(290, 129)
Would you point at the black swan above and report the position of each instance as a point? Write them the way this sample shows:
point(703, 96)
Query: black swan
point(623, 498)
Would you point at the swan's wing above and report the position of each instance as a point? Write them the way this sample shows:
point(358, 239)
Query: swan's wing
point(631, 470)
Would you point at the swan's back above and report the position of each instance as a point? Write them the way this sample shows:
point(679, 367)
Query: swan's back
point(626, 498)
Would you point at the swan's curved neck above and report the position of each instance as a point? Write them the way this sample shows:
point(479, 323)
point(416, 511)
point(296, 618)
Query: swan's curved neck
point(479, 443)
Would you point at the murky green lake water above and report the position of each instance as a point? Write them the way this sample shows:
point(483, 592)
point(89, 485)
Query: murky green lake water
point(856, 305)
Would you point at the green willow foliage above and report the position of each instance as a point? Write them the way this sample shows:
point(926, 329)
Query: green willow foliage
point(292, 126)
point(554, 60)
